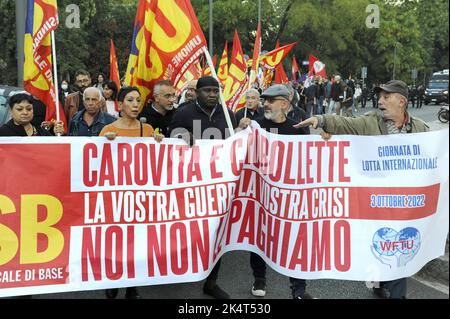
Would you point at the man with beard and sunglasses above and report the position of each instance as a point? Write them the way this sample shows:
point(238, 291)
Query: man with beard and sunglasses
point(276, 106)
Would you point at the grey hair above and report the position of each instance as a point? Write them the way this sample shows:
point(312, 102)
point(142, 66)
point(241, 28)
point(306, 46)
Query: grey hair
point(159, 85)
point(291, 90)
point(252, 90)
point(93, 88)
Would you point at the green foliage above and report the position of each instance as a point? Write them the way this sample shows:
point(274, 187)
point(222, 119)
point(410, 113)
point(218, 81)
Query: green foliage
point(336, 32)
point(88, 46)
point(8, 60)
point(240, 15)
point(333, 30)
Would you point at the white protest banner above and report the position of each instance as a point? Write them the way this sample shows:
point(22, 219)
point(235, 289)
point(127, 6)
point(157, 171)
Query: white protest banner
point(133, 212)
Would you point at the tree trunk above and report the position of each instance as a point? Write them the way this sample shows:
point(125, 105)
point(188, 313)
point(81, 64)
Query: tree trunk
point(284, 19)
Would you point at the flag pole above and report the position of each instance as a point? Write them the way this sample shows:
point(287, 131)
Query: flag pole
point(255, 61)
point(222, 100)
point(249, 87)
point(55, 77)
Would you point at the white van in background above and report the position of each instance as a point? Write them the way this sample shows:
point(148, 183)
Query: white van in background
point(437, 88)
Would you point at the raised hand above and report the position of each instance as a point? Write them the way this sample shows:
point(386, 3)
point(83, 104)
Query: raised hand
point(312, 121)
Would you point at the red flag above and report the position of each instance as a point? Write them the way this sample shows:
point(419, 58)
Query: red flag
point(316, 67)
point(273, 58)
point(295, 69)
point(237, 75)
point(267, 78)
point(222, 73)
point(114, 69)
point(256, 54)
point(280, 75)
point(241, 104)
point(168, 43)
point(139, 23)
point(194, 72)
point(207, 69)
point(42, 19)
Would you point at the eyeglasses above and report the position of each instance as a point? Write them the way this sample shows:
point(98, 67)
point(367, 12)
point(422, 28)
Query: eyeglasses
point(83, 81)
point(170, 96)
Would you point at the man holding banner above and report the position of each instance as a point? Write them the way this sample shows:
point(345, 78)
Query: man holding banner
point(276, 105)
point(392, 118)
point(204, 116)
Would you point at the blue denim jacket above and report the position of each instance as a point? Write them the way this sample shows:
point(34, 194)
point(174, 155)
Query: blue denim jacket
point(100, 121)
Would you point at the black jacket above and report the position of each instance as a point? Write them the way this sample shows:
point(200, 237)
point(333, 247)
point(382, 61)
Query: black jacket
point(157, 120)
point(337, 91)
point(285, 128)
point(252, 115)
point(297, 115)
point(11, 129)
point(184, 119)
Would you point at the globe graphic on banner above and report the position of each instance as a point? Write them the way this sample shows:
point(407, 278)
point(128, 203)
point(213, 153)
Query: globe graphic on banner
point(411, 237)
point(384, 235)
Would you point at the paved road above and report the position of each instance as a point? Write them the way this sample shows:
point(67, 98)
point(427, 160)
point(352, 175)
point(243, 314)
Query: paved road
point(236, 276)
point(427, 113)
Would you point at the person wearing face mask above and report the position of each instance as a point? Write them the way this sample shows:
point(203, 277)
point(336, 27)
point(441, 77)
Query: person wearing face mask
point(100, 82)
point(276, 106)
point(63, 91)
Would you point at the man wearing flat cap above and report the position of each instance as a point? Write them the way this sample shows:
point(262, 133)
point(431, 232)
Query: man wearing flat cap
point(204, 118)
point(391, 118)
point(276, 106)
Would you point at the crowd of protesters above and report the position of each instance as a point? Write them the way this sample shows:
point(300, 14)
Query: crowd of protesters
point(101, 109)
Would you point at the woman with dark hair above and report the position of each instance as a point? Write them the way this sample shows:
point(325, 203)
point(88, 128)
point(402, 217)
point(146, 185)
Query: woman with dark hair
point(21, 107)
point(63, 91)
point(100, 81)
point(110, 94)
point(129, 100)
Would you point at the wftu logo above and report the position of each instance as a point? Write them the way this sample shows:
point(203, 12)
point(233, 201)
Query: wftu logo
point(393, 248)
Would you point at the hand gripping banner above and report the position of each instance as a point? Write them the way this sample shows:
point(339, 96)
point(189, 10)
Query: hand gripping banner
point(133, 212)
